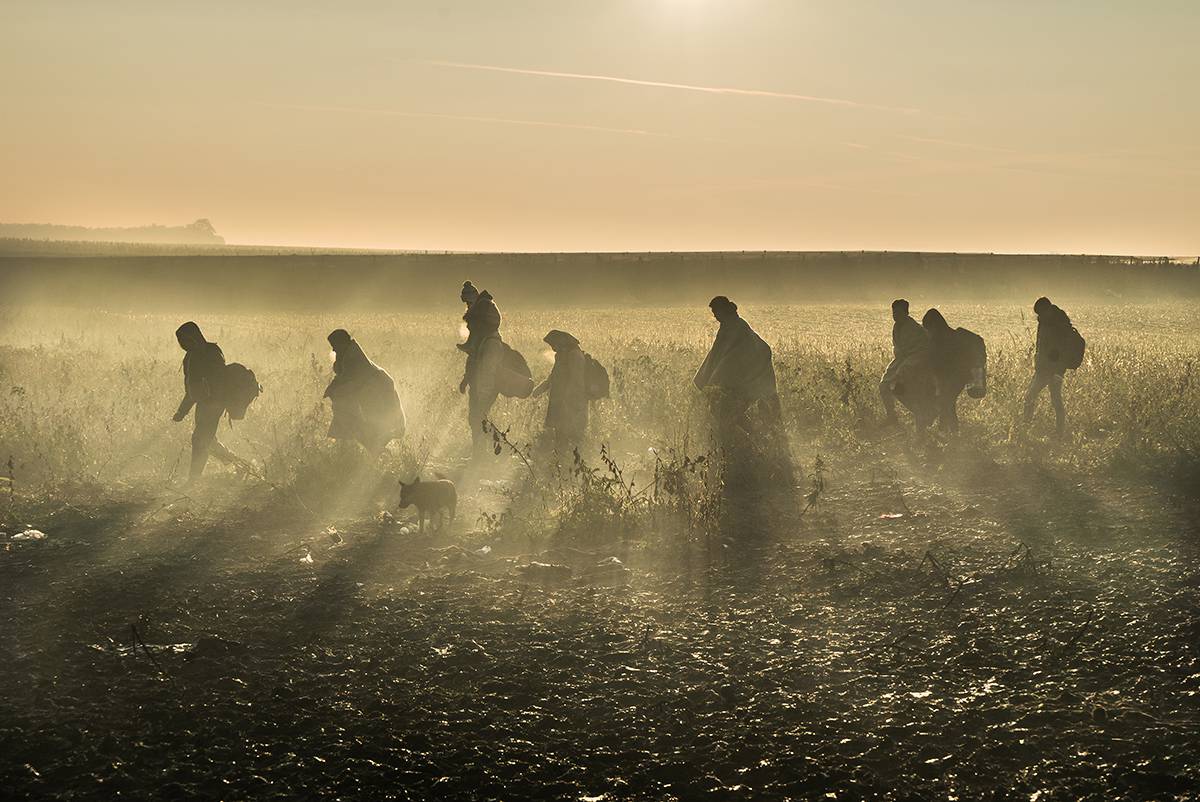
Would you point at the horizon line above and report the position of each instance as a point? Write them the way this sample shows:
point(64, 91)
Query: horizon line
point(653, 252)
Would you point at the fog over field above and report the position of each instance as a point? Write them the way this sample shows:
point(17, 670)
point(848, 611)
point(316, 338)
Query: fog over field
point(237, 280)
point(945, 614)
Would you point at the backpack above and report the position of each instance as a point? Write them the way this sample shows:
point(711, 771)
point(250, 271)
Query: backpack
point(513, 378)
point(974, 360)
point(241, 388)
point(595, 378)
point(1073, 347)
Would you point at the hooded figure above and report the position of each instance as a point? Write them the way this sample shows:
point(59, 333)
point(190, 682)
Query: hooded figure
point(203, 388)
point(1049, 360)
point(958, 358)
point(485, 357)
point(567, 413)
point(740, 371)
point(910, 343)
point(739, 362)
point(366, 406)
point(482, 316)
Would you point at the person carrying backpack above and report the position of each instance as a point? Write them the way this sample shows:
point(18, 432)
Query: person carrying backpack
point(958, 361)
point(487, 355)
point(204, 387)
point(575, 380)
point(1059, 349)
point(493, 367)
point(482, 318)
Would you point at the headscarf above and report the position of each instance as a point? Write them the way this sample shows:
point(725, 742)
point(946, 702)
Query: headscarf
point(560, 340)
point(933, 321)
point(350, 354)
point(468, 293)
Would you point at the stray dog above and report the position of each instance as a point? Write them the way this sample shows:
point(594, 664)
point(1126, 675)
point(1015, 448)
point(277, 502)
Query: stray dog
point(437, 500)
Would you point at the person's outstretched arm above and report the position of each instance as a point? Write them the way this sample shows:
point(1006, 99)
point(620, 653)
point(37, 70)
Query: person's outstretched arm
point(185, 406)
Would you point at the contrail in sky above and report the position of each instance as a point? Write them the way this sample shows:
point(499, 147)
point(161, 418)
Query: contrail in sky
point(477, 119)
point(713, 90)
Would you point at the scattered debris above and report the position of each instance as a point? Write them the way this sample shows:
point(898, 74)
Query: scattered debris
point(119, 650)
point(30, 534)
point(609, 571)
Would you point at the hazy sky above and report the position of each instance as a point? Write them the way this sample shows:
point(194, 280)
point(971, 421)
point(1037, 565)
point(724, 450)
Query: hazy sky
point(612, 124)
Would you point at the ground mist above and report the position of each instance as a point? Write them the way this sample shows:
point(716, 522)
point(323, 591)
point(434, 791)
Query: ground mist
point(920, 617)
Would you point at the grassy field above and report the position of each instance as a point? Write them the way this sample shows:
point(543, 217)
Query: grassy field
point(913, 619)
point(89, 395)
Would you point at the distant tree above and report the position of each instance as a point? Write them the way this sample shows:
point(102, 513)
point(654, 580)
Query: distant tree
point(204, 226)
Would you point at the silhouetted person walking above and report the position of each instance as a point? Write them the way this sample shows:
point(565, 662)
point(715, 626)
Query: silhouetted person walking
point(366, 406)
point(739, 372)
point(203, 388)
point(482, 316)
point(958, 358)
point(485, 357)
point(909, 342)
point(1059, 349)
point(567, 413)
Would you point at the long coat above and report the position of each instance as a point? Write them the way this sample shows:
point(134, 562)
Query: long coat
point(366, 406)
point(739, 363)
point(567, 413)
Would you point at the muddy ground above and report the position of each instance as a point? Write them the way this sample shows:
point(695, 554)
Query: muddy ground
point(978, 631)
